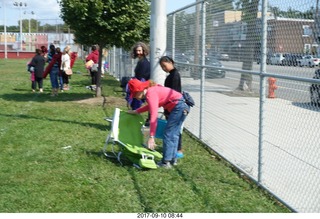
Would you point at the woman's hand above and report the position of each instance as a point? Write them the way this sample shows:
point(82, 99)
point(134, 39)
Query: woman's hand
point(151, 143)
point(132, 112)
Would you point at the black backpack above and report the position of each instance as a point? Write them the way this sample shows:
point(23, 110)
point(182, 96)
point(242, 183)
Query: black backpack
point(188, 99)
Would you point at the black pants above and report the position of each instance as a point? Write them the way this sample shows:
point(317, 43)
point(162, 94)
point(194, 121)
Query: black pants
point(93, 75)
point(65, 77)
point(38, 81)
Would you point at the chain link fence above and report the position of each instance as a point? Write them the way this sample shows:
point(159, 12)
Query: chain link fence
point(252, 71)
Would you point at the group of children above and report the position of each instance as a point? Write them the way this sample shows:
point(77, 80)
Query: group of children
point(58, 63)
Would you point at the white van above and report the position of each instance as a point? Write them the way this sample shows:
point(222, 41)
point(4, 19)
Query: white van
point(277, 59)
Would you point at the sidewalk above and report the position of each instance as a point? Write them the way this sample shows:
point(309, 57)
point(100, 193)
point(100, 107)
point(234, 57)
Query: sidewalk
point(290, 151)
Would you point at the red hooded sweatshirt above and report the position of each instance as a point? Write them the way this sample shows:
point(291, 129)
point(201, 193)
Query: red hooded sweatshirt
point(94, 56)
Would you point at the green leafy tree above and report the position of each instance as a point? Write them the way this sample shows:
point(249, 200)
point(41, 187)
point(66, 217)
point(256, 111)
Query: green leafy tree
point(107, 23)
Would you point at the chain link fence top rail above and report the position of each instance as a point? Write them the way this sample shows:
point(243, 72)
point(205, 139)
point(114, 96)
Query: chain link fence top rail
point(252, 71)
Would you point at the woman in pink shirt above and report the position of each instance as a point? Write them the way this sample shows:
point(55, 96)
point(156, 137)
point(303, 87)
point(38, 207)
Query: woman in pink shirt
point(159, 96)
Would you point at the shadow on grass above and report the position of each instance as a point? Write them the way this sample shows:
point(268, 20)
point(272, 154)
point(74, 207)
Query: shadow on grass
point(205, 199)
point(128, 165)
point(44, 97)
point(137, 187)
point(86, 124)
point(114, 160)
point(108, 85)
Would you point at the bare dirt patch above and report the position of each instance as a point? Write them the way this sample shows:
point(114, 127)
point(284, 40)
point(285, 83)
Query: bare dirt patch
point(115, 101)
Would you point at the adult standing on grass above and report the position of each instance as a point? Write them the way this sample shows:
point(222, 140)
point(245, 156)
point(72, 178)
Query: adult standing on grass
point(157, 96)
point(65, 65)
point(94, 56)
point(54, 69)
point(38, 62)
point(52, 51)
point(173, 81)
point(142, 70)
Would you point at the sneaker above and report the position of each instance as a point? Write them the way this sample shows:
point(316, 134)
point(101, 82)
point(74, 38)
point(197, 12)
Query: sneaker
point(179, 155)
point(174, 162)
point(147, 123)
point(164, 165)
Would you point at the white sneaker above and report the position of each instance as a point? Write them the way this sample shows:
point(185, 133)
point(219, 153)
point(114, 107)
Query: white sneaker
point(164, 165)
point(174, 162)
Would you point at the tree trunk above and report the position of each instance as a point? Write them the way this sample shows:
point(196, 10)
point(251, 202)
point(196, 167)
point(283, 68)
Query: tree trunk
point(250, 11)
point(98, 85)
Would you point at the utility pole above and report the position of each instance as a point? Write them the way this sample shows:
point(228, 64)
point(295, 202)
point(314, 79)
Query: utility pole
point(158, 39)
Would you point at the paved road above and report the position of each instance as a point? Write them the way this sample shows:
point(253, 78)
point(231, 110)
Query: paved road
point(287, 89)
point(290, 163)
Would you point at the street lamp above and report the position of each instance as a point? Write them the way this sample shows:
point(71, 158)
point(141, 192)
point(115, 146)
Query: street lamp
point(29, 39)
point(20, 5)
point(32, 13)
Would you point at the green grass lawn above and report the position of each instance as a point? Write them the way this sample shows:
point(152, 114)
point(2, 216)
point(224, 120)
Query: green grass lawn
point(51, 159)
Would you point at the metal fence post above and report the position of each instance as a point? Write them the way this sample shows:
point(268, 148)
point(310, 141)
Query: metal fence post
point(173, 35)
point(262, 86)
point(203, 57)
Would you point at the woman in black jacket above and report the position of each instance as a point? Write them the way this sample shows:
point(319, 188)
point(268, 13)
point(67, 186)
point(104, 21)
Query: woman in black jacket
point(38, 62)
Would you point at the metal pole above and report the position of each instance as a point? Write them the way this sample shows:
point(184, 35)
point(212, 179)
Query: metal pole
point(69, 36)
point(20, 26)
point(20, 5)
point(203, 57)
point(5, 31)
point(114, 61)
point(173, 35)
point(158, 39)
point(29, 26)
point(262, 85)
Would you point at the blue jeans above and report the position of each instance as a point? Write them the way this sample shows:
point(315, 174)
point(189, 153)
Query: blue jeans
point(61, 82)
point(172, 130)
point(54, 74)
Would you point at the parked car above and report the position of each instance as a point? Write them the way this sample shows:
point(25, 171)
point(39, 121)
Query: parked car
point(296, 58)
point(224, 57)
point(181, 57)
point(277, 59)
point(289, 59)
point(219, 56)
point(309, 60)
point(213, 72)
point(267, 61)
point(315, 90)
